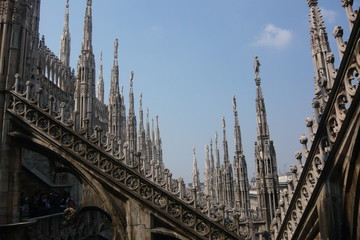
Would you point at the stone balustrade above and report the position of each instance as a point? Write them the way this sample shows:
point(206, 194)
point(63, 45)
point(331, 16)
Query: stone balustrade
point(323, 132)
point(104, 154)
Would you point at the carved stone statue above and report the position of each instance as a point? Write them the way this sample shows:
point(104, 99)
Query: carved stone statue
point(257, 66)
point(131, 78)
point(234, 103)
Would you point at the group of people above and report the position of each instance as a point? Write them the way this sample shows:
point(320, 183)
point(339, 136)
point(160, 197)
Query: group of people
point(44, 203)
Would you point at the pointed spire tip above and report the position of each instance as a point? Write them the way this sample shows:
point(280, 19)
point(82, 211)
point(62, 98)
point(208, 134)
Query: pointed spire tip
point(116, 46)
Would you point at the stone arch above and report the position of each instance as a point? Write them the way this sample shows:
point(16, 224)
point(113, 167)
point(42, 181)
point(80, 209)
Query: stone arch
point(42, 176)
point(93, 192)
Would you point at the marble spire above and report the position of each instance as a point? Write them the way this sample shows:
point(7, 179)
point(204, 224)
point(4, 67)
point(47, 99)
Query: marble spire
point(87, 39)
point(141, 132)
point(219, 175)
point(195, 172)
point(100, 85)
point(212, 172)
point(228, 176)
point(114, 85)
point(149, 152)
point(323, 59)
point(241, 182)
point(157, 133)
point(131, 130)
point(207, 172)
point(152, 130)
point(225, 144)
point(115, 122)
point(265, 160)
point(65, 39)
point(158, 146)
point(262, 127)
point(86, 88)
point(123, 118)
point(238, 142)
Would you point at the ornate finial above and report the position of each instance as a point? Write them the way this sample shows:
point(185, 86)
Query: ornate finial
point(303, 139)
point(122, 90)
point(207, 148)
point(116, 44)
point(131, 78)
point(67, 3)
point(216, 137)
point(89, 2)
point(194, 150)
point(157, 120)
point(140, 99)
point(234, 103)
point(147, 113)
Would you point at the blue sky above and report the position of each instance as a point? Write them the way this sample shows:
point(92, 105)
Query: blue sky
point(190, 57)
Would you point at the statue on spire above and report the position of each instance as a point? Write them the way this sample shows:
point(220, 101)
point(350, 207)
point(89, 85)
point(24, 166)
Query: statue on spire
point(257, 66)
point(234, 103)
point(131, 78)
point(257, 70)
point(195, 172)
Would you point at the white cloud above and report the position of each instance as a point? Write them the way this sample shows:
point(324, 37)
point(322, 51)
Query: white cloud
point(329, 15)
point(273, 36)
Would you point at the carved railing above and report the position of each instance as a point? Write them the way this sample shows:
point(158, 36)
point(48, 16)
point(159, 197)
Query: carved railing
point(343, 99)
point(54, 70)
point(89, 221)
point(110, 162)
